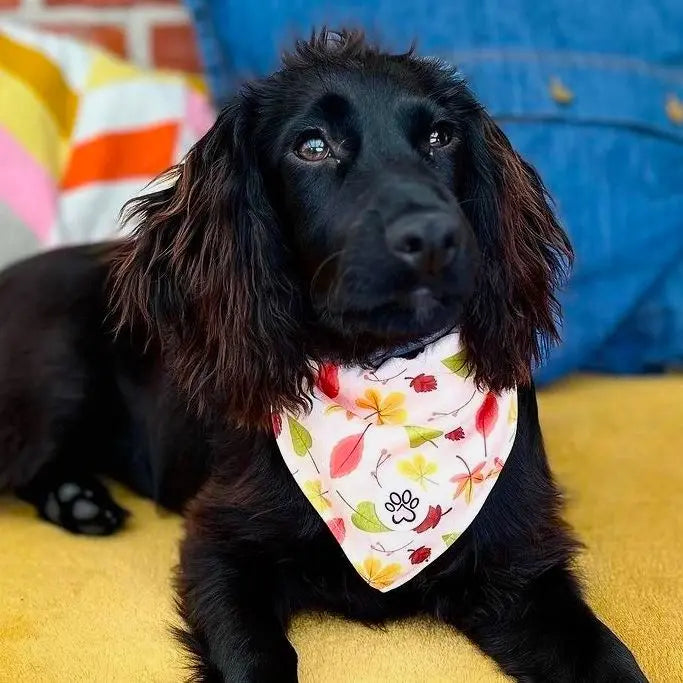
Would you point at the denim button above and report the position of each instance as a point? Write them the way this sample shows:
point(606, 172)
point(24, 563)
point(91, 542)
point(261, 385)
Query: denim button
point(560, 92)
point(674, 109)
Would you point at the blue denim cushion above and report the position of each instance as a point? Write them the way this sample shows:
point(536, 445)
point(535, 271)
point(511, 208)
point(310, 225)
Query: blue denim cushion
point(611, 157)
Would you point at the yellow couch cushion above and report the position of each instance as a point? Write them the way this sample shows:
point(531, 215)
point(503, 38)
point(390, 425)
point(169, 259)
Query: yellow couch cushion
point(98, 609)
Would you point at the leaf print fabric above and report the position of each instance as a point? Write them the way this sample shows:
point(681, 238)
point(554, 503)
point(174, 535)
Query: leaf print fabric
point(335, 407)
point(456, 434)
point(434, 515)
point(301, 437)
point(277, 424)
point(379, 575)
point(496, 469)
point(365, 518)
point(387, 410)
point(421, 554)
point(399, 460)
point(418, 469)
point(457, 363)
point(346, 455)
point(423, 383)
point(421, 435)
point(468, 480)
point(449, 539)
point(338, 528)
point(487, 415)
point(328, 380)
point(512, 413)
point(313, 490)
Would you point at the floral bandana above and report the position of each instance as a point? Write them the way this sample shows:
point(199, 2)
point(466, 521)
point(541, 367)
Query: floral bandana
point(398, 461)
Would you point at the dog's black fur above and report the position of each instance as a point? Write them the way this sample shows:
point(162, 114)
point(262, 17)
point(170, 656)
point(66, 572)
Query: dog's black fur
point(347, 206)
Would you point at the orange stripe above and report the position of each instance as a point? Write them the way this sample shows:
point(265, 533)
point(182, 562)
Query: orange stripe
point(117, 156)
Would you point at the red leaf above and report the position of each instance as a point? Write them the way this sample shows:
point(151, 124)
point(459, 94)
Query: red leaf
point(338, 528)
point(421, 554)
point(346, 455)
point(487, 414)
point(433, 517)
point(456, 434)
point(423, 383)
point(277, 424)
point(328, 380)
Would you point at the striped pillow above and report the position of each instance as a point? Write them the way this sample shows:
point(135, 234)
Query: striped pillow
point(80, 133)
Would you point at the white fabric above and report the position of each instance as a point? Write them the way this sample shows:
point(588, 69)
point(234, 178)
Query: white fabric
point(399, 461)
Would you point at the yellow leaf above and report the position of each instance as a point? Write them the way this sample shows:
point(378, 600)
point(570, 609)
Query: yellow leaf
point(450, 539)
point(469, 490)
point(512, 413)
point(378, 575)
point(385, 411)
point(370, 401)
point(392, 411)
point(417, 469)
point(313, 490)
point(335, 408)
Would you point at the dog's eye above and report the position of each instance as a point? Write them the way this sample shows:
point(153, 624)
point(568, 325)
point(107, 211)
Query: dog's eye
point(313, 148)
point(441, 135)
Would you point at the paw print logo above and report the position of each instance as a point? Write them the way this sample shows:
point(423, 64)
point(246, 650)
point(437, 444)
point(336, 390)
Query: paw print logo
point(402, 506)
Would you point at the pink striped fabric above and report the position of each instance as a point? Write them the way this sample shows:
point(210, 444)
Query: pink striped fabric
point(26, 188)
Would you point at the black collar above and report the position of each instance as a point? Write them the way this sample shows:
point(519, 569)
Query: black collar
point(408, 350)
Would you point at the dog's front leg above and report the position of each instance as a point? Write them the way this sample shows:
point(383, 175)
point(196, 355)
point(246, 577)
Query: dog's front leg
point(543, 632)
point(235, 618)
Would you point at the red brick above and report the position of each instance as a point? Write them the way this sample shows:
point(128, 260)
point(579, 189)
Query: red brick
point(5, 4)
point(174, 46)
point(109, 37)
point(110, 3)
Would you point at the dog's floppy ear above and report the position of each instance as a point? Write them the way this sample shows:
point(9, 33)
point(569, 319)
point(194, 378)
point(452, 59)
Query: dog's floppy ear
point(514, 313)
point(203, 276)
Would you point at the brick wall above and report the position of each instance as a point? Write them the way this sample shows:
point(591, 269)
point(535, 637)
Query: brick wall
point(148, 32)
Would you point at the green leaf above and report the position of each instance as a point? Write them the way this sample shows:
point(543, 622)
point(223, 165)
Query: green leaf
point(450, 539)
point(458, 364)
point(421, 435)
point(365, 518)
point(301, 438)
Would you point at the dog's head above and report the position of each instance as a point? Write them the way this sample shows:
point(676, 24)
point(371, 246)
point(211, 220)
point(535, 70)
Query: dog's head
point(350, 202)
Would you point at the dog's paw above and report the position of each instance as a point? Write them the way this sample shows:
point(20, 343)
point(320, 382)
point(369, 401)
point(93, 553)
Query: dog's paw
point(83, 508)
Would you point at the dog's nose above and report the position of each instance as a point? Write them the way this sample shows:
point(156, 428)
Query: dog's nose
point(426, 243)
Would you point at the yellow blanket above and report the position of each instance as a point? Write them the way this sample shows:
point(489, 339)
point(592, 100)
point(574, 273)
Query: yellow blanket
point(83, 609)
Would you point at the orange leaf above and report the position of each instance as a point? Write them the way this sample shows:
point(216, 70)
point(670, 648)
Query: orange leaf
point(464, 481)
point(475, 472)
point(467, 480)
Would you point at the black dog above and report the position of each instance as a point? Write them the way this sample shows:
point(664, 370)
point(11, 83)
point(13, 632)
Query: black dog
point(345, 208)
